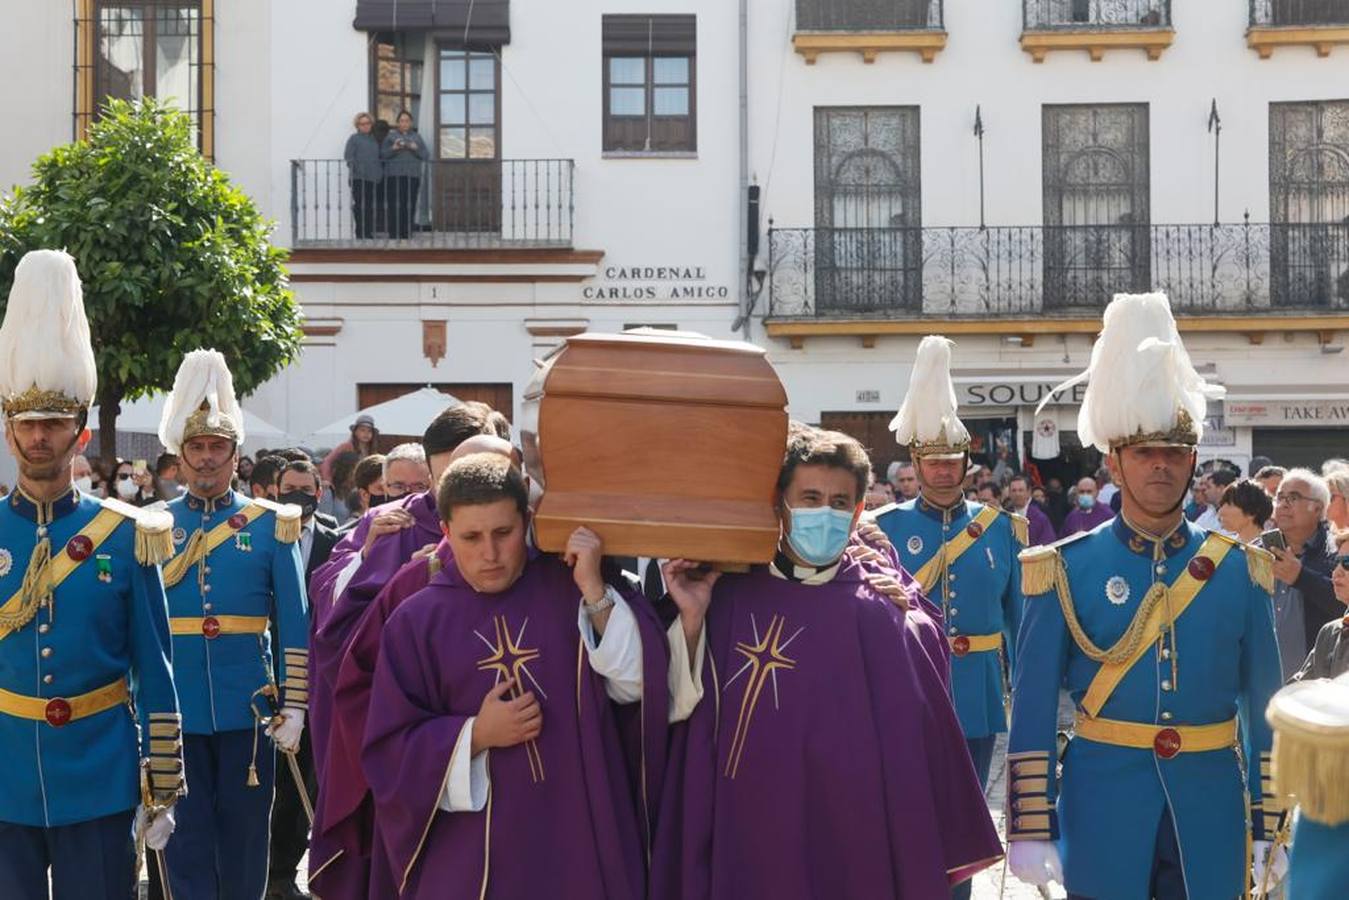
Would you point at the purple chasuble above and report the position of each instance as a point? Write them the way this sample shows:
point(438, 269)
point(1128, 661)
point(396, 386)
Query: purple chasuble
point(824, 759)
point(560, 819)
point(334, 619)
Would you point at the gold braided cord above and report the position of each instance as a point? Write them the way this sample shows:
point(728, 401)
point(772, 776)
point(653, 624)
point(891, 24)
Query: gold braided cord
point(37, 587)
point(1122, 649)
point(192, 554)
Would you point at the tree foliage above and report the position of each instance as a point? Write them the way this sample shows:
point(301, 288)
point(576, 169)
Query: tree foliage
point(173, 257)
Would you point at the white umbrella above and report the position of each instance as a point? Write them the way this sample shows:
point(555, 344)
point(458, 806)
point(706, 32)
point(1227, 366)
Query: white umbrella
point(408, 414)
point(142, 417)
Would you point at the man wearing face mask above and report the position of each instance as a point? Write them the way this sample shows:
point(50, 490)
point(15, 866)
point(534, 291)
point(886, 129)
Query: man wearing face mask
point(964, 553)
point(1088, 512)
point(84, 629)
point(237, 569)
point(300, 486)
point(822, 748)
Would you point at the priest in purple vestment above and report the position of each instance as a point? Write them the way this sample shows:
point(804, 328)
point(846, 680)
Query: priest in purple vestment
point(823, 756)
point(492, 746)
point(361, 564)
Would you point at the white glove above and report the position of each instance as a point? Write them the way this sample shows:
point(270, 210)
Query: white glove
point(286, 729)
point(1035, 862)
point(157, 830)
point(1277, 864)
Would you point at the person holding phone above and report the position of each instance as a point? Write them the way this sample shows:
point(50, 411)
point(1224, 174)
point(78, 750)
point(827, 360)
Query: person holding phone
point(404, 154)
point(132, 483)
point(1304, 599)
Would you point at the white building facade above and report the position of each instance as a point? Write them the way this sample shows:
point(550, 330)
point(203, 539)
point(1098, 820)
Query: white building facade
point(588, 168)
point(1081, 135)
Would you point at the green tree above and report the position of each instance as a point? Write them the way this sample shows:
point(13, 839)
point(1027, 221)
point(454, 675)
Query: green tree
point(173, 257)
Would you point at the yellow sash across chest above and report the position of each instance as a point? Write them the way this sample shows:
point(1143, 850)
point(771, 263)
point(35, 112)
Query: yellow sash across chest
point(952, 550)
point(202, 543)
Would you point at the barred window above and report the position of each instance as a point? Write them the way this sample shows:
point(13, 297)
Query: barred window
point(130, 49)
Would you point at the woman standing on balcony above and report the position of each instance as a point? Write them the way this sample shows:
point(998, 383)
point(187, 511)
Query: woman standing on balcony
point(404, 153)
point(365, 173)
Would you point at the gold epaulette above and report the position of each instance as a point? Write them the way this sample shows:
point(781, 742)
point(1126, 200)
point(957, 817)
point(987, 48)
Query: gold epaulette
point(1020, 528)
point(1259, 562)
point(154, 530)
point(1039, 569)
point(287, 519)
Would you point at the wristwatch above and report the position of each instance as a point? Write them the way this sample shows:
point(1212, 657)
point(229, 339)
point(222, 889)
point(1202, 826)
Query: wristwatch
point(605, 602)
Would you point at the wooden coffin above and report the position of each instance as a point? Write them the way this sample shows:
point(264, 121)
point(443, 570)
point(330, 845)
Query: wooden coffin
point(667, 444)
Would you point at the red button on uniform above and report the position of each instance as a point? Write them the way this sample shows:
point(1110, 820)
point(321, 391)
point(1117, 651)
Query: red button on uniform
point(79, 548)
point(238, 520)
point(960, 646)
point(974, 529)
point(1167, 743)
point(210, 627)
point(58, 712)
point(1201, 568)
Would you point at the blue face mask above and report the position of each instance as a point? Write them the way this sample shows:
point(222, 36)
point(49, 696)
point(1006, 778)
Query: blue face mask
point(1086, 501)
point(819, 535)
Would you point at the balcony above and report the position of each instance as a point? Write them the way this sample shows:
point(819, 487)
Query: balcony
point(1247, 277)
point(868, 27)
point(1319, 24)
point(458, 205)
point(1096, 26)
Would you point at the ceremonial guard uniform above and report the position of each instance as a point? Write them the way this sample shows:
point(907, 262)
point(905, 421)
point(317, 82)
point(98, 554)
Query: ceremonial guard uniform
point(237, 568)
point(1311, 764)
point(84, 639)
point(964, 556)
point(1166, 645)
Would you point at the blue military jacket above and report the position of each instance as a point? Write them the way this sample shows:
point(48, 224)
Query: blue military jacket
point(1221, 662)
point(253, 576)
point(105, 626)
point(979, 593)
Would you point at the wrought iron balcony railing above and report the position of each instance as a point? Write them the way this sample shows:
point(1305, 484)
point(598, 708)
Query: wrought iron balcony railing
point(1048, 15)
point(447, 205)
point(868, 15)
point(1299, 12)
point(1020, 271)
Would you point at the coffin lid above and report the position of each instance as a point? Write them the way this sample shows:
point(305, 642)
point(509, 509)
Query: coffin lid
point(660, 365)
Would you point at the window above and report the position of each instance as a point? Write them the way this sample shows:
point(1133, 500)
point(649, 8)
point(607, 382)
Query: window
point(130, 49)
point(1097, 212)
point(1309, 203)
point(396, 75)
point(650, 84)
point(467, 115)
point(868, 208)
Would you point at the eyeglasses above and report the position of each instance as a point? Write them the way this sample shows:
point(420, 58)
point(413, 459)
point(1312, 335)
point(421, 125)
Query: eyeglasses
point(1343, 562)
point(123, 476)
point(1291, 497)
point(409, 487)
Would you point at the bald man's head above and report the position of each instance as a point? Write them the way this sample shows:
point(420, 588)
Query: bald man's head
point(487, 443)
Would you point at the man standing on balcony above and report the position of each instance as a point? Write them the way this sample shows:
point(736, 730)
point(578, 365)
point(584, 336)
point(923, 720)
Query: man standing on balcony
point(1162, 633)
point(236, 570)
point(964, 552)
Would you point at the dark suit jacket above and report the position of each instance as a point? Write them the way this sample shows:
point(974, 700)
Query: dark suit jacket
point(325, 539)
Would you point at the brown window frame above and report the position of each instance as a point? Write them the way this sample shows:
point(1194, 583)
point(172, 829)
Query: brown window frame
point(90, 91)
point(409, 94)
point(470, 53)
point(651, 140)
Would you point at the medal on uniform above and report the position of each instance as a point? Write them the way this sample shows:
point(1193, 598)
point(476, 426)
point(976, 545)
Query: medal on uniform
point(6, 562)
point(179, 535)
point(915, 545)
point(243, 541)
point(1117, 590)
point(103, 564)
